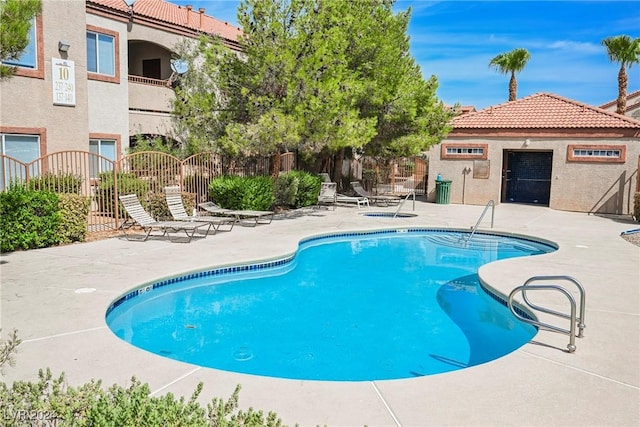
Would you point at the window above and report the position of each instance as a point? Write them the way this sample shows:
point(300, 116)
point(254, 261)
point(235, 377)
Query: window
point(29, 58)
point(105, 148)
point(597, 153)
point(102, 54)
point(31, 62)
point(464, 151)
point(25, 148)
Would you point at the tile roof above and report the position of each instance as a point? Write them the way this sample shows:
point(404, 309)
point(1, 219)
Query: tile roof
point(163, 11)
point(543, 111)
point(615, 101)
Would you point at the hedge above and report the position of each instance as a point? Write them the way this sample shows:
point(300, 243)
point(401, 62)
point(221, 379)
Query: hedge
point(234, 192)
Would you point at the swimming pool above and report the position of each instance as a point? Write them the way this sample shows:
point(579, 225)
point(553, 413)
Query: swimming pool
point(356, 306)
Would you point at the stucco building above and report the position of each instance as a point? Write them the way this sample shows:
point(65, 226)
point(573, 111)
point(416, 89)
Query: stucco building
point(97, 73)
point(542, 149)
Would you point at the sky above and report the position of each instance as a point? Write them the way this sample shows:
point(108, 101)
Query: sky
point(455, 40)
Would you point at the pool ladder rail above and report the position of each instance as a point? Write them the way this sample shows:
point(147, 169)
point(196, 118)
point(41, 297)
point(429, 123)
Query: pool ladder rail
point(412, 193)
point(577, 321)
point(490, 204)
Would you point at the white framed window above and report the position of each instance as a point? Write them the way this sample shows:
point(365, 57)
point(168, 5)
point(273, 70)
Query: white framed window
point(101, 53)
point(465, 151)
point(581, 152)
point(25, 148)
point(29, 57)
point(105, 148)
point(597, 153)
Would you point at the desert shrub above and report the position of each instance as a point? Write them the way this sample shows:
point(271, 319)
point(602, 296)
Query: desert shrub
point(74, 210)
point(127, 183)
point(156, 205)
point(297, 189)
point(28, 219)
point(92, 405)
point(286, 189)
point(58, 183)
point(234, 192)
point(308, 188)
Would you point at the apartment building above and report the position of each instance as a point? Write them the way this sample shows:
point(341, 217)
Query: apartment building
point(97, 73)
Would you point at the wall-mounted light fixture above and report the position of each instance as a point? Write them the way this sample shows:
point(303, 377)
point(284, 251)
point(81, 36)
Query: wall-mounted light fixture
point(63, 46)
point(527, 142)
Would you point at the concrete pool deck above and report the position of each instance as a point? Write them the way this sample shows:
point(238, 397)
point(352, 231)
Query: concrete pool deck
point(540, 384)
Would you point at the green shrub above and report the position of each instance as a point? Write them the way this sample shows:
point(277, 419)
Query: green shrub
point(308, 188)
point(74, 210)
point(234, 192)
point(28, 219)
point(58, 183)
point(91, 405)
point(128, 183)
point(297, 189)
point(286, 189)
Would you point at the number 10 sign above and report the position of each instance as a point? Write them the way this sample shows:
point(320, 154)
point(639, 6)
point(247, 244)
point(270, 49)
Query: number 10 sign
point(64, 82)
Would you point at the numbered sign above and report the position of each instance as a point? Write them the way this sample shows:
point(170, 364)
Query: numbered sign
point(64, 82)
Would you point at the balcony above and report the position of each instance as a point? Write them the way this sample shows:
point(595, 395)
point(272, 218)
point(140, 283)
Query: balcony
point(150, 95)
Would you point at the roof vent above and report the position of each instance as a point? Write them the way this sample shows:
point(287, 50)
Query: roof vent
point(189, 7)
point(201, 10)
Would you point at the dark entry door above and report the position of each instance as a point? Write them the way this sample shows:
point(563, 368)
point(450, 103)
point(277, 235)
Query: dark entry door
point(151, 68)
point(527, 176)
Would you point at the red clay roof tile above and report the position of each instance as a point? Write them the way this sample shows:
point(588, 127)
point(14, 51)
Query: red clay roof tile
point(163, 11)
point(615, 101)
point(543, 111)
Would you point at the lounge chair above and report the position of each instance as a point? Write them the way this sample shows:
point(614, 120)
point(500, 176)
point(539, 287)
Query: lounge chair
point(142, 218)
point(329, 195)
point(325, 177)
point(173, 196)
point(243, 216)
point(378, 200)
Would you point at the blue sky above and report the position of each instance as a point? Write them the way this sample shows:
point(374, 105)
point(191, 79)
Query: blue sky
point(455, 40)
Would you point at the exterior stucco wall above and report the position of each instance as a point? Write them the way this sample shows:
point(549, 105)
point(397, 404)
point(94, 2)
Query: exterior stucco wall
point(575, 186)
point(27, 102)
point(150, 123)
point(109, 101)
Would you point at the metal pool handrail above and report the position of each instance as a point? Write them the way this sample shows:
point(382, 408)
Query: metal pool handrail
point(575, 319)
point(475, 227)
point(404, 200)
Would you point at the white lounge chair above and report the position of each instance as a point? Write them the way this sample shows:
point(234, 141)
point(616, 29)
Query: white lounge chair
point(325, 177)
point(329, 195)
point(243, 216)
point(376, 199)
point(142, 218)
point(173, 196)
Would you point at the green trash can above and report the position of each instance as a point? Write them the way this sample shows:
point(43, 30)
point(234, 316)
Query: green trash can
point(442, 192)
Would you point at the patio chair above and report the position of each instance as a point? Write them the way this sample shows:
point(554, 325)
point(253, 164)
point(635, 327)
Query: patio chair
point(376, 199)
point(328, 194)
point(173, 196)
point(243, 216)
point(142, 218)
point(325, 177)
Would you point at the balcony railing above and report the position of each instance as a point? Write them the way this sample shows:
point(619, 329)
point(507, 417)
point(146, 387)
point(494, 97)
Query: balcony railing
point(149, 81)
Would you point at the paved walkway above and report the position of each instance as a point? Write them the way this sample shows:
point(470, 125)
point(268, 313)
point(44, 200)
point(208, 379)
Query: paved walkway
point(540, 384)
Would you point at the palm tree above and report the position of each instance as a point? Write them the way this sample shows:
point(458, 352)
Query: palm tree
point(511, 62)
point(626, 51)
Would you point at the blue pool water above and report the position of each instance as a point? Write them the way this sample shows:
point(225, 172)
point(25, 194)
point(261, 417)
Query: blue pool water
point(353, 307)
